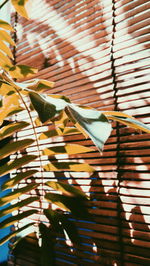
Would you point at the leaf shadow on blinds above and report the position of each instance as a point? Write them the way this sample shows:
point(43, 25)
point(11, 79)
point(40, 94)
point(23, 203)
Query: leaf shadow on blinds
point(70, 42)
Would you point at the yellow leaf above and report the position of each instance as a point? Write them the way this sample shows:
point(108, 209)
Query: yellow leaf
point(6, 37)
point(47, 83)
point(66, 189)
point(38, 84)
point(21, 7)
point(51, 133)
point(6, 49)
point(116, 113)
point(10, 198)
point(22, 71)
point(71, 166)
point(84, 167)
point(67, 149)
point(5, 89)
point(75, 149)
point(127, 120)
point(62, 120)
point(6, 78)
point(70, 131)
point(10, 103)
point(5, 25)
point(11, 128)
point(4, 60)
point(81, 130)
point(57, 202)
point(37, 122)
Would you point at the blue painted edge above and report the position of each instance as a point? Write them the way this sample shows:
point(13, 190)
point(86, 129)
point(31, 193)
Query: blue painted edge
point(4, 249)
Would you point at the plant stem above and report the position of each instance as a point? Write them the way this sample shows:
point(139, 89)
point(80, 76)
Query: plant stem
point(37, 142)
point(3, 3)
point(5, 82)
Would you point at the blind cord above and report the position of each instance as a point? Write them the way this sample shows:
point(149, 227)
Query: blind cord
point(15, 116)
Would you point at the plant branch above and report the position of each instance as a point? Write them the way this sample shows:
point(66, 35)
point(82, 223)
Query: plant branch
point(5, 2)
point(5, 82)
point(36, 139)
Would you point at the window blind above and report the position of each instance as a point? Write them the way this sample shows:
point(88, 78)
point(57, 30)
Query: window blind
point(97, 53)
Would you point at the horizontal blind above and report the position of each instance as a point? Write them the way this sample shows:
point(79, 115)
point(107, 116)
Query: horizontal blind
point(132, 93)
point(97, 53)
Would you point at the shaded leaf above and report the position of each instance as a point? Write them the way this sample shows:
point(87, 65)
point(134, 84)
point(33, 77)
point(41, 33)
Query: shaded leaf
point(60, 222)
point(17, 206)
point(8, 167)
point(60, 200)
point(10, 129)
point(15, 194)
point(76, 205)
point(24, 239)
point(20, 6)
point(45, 110)
point(47, 107)
point(93, 122)
point(47, 247)
point(66, 188)
point(53, 217)
point(51, 133)
point(21, 237)
point(71, 166)
point(13, 219)
point(70, 228)
point(10, 183)
point(127, 120)
point(68, 148)
point(15, 233)
point(15, 146)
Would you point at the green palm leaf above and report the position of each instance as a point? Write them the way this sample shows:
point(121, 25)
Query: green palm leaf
point(17, 206)
point(53, 217)
point(61, 222)
point(15, 194)
point(8, 167)
point(73, 204)
point(17, 233)
point(10, 129)
point(10, 183)
point(66, 189)
point(71, 166)
point(47, 248)
point(15, 146)
point(13, 219)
